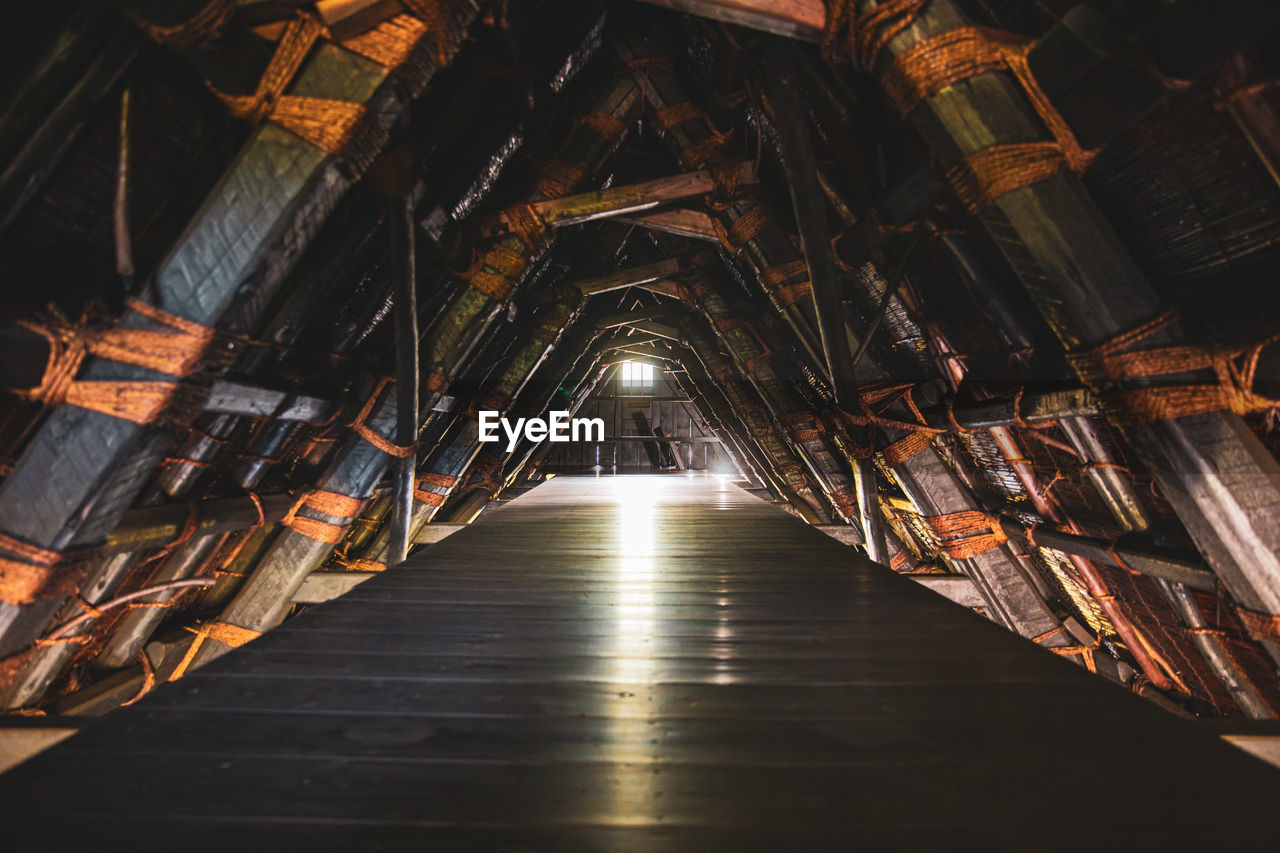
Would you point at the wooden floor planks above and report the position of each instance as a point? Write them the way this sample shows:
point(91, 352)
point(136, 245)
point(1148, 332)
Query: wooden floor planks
point(641, 663)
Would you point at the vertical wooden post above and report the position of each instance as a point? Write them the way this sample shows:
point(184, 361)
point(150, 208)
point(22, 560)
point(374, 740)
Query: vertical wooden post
point(790, 108)
point(400, 222)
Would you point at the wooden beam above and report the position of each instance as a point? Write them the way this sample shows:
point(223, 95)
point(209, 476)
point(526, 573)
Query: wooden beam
point(652, 327)
point(681, 222)
point(787, 99)
point(633, 343)
point(642, 398)
point(801, 19)
point(320, 587)
point(631, 277)
point(627, 318)
point(600, 204)
point(1181, 568)
point(24, 737)
point(239, 398)
point(845, 534)
point(957, 588)
point(233, 256)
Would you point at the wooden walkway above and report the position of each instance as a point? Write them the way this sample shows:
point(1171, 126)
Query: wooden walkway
point(640, 663)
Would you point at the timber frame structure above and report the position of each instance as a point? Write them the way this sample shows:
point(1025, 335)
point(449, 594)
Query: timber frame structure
point(976, 284)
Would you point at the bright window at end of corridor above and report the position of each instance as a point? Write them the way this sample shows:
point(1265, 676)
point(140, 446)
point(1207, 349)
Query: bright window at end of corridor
point(636, 377)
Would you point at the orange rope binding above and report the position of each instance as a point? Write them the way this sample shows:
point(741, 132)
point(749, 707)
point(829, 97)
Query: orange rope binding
point(440, 481)
point(849, 36)
point(365, 432)
point(559, 178)
point(1085, 652)
point(743, 229)
point(222, 632)
point(845, 501)
point(177, 351)
point(967, 533)
point(325, 123)
point(391, 42)
point(34, 573)
point(910, 445)
point(1116, 361)
point(332, 504)
point(936, 63)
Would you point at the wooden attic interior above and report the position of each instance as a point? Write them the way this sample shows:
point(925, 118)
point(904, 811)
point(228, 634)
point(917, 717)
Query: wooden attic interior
point(977, 288)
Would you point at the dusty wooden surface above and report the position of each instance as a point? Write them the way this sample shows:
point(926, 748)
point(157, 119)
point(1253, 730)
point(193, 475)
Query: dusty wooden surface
point(641, 663)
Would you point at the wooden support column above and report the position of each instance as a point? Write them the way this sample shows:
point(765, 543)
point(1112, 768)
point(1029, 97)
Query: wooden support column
point(773, 460)
point(1219, 478)
point(789, 103)
point(83, 469)
point(743, 339)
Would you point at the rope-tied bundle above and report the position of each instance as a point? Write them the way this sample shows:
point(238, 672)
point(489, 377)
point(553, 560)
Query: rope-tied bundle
point(919, 434)
point(221, 632)
point(29, 573)
point(361, 428)
point(392, 42)
point(177, 348)
point(966, 533)
point(333, 504)
point(788, 282)
point(446, 482)
point(1118, 361)
point(936, 63)
point(324, 122)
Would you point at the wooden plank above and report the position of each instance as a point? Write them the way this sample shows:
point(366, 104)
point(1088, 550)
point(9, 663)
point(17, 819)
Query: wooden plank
point(238, 398)
point(23, 737)
point(633, 277)
point(639, 663)
point(842, 533)
point(682, 223)
point(429, 534)
point(957, 588)
point(802, 19)
point(320, 587)
point(633, 198)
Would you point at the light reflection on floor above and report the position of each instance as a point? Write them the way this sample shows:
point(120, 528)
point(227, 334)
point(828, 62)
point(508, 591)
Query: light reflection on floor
point(633, 668)
point(634, 618)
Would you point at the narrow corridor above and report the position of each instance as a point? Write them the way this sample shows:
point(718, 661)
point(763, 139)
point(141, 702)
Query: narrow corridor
point(640, 663)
